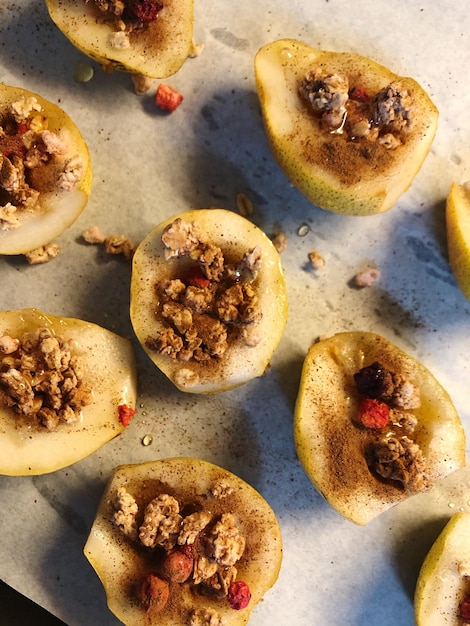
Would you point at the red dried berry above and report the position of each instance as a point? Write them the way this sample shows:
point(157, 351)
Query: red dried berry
point(144, 10)
point(373, 413)
point(167, 98)
point(465, 609)
point(359, 94)
point(197, 278)
point(177, 566)
point(11, 144)
point(126, 413)
point(152, 592)
point(239, 595)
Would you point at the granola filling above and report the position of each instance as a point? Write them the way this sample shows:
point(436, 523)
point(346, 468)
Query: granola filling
point(127, 16)
point(212, 305)
point(384, 117)
point(190, 546)
point(41, 380)
point(392, 455)
point(33, 160)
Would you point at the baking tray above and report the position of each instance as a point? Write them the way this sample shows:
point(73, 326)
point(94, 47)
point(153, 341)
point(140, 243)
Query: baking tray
point(148, 166)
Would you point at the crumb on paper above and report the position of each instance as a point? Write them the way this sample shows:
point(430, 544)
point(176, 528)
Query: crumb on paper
point(244, 205)
point(142, 83)
point(113, 244)
point(43, 254)
point(196, 49)
point(367, 277)
point(316, 260)
point(280, 241)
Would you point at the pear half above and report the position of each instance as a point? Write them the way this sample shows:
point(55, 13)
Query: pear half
point(354, 177)
point(108, 369)
point(197, 485)
point(458, 234)
point(56, 209)
point(243, 359)
point(157, 50)
point(443, 580)
point(332, 447)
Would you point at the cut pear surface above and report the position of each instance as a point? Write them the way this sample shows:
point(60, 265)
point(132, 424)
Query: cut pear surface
point(335, 449)
point(106, 367)
point(443, 581)
point(355, 172)
point(158, 49)
point(201, 488)
point(458, 234)
point(250, 293)
point(57, 205)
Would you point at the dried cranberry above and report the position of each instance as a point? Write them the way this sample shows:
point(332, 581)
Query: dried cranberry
point(167, 98)
point(359, 94)
point(125, 413)
point(144, 10)
point(152, 592)
point(465, 609)
point(373, 413)
point(374, 381)
point(239, 595)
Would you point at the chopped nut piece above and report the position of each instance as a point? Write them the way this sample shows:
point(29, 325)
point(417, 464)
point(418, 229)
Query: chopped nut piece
point(204, 309)
point(316, 260)
point(367, 277)
point(227, 541)
point(94, 235)
point(205, 617)
point(280, 241)
point(221, 490)
point(41, 380)
point(142, 83)
point(162, 522)
point(196, 49)
point(125, 511)
point(192, 525)
point(43, 254)
point(400, 460)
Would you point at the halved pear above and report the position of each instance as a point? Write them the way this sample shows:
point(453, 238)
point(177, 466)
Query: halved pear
point(458, 234)
point(197, 485)
point(354, 177)
point(245, 358)
point(56, 209)
point(332, 447)
point(443, 580)
point(157, 50)
point(108, 365)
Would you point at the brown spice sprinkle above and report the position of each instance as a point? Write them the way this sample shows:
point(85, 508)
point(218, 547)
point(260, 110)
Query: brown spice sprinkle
point(33, 161)
point(212, 304)
point(391, 454)
point(357, 129)
point(41, 379)
point(191, 546)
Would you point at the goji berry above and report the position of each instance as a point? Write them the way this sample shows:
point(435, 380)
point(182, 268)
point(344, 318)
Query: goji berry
point(465, 609)
point(144, 10)
point(373, 413)
point(197, 278)
point(239, 595)
point(359, 94)
point(126, 413)
point(167, 98)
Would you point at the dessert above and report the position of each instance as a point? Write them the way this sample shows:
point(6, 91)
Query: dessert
point(66, 388)
point(146, 37)
point(458, 234)
point(182, 542)
point(45, 171)
point(372, 425)
point(349, 134)
point(442, 593)
point(208, 299)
